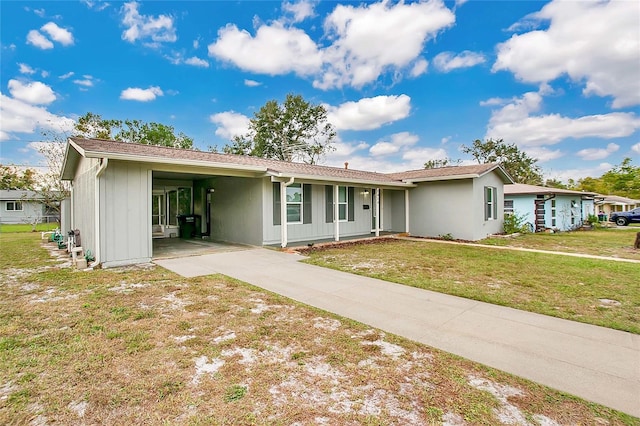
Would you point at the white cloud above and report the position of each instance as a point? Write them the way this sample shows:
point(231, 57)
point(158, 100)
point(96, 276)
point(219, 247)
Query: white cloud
point(99, 6)
point(598, 153)
point(419, 67)
point(449, 61)
point(67, 75)
point(399, 141)
point(35, 38)
point(196, 43)
point(44, 74)
point(251, 83)
point(39, 12)
point(86, 82)
point(383, 148)
point(575, 174)
point(299, 10)
point(142, 95)
point(374, 38)
point(343, 150)
point(61, 35)
point(18, 116)
point(35, 93)
point(197, 62)
point(230, 124)
point(369, 113)
point(275, 50)
point(515, 123)
point(417, 157)
point(543, 154)
point(26, 69)
point(636, 148)
point(139, 27)
point(593, 43)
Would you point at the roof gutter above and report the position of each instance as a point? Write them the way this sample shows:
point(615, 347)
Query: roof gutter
point(397, 184)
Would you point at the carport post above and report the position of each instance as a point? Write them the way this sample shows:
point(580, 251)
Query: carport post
point(377, 212)
point(336, 211)
point(283, 212)
point(406, 211)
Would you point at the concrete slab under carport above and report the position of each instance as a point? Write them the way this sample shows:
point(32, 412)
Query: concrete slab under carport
point(167, 248)
point(594, 363)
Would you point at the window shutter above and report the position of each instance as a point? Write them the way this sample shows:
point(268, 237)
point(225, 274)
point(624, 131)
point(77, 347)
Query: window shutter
point(276, 203)
point(350, 199)
point(328, 196)
point(494, 198)
point(306, 203)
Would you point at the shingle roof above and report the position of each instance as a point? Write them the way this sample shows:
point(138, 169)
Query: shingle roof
point(443, 172)
point(521, 188)
point(611, 199)
point(274, 166)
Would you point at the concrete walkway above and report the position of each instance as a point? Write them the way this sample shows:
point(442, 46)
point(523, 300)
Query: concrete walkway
point(595, 363)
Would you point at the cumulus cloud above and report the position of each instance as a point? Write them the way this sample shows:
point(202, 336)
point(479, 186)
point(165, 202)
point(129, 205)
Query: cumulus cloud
point(575, 174)
point(593, 43)
point(96, 5)
point(25, 69)
point(516, 123)
point(230, 124)
point(251, 83)
point(61, 35)
point(18, 116)
point(636, 148)
point(369, 113)
point(275, 50)
point(417, 157)
point(299, 10)
point(370, 39)
point(66, 76)
point(158, 29)
point(85, 82)
point(142, 95)
point(35, 38)
point(35, 93)
point(598, 153)
point(449, 61)
point(543, 154)
point(419, 67)
point(197, 62)
point(399, 141)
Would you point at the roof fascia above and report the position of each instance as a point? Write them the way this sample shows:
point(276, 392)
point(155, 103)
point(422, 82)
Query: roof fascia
point(278, 176)
point(439, 178)
point(80, 151)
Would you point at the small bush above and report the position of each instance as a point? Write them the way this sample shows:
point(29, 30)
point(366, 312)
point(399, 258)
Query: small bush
point(514, 223)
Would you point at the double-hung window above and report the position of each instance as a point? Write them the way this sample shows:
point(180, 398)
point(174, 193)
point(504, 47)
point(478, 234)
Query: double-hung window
point(490, 203)
point(508, 207)
point(294, 203)
point(14, 206)
point(343, 203)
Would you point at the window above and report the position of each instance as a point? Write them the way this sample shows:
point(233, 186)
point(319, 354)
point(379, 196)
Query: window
point(574, 205)
point(346, 208)
point(14, 206)
point(343, 206)
point(508, 207)
point(553, 213)
point(294, 203)
point(491, 207)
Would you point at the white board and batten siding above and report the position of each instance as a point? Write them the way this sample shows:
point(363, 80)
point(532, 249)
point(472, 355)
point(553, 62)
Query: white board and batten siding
point(83, 202)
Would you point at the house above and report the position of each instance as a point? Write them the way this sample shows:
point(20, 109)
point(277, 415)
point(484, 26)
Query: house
point(548, 208)
point(124, 195)
point(20, 206)
point(607, 204)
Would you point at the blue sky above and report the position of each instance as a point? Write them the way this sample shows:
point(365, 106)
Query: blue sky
point(404, 82)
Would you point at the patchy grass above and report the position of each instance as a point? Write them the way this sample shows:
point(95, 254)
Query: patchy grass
point(25, 227)
point(600, 292)
point(614, 242)
point(144, 346)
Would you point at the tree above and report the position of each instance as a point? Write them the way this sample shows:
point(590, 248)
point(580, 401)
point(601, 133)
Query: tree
point(555, 183)
point(12, 178)
point(293, 131)
point(521, 167)
point(623, 180)
point(93, 125)
point(445, 162)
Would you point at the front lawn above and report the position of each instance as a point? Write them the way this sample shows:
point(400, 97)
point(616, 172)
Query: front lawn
point(605, 293)
point(25, 227)
point(142, 345)
point(614, 242)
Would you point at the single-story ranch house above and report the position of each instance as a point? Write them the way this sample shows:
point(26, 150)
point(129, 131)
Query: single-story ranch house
point(608, 204)
point(21, 206)
point(548, 208)
point(124, 195)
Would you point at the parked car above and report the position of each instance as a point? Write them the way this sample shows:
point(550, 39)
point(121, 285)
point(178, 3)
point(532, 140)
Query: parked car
point(625, 218)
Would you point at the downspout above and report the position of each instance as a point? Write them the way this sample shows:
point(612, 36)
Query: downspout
point(104, 162)
point(283, 211)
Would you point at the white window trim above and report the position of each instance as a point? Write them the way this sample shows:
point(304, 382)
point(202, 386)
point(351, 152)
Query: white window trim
point(508, 210)
point(553, 213)
point(490, 212)
point(14, 203)
point(301, 203)
point(345, 203)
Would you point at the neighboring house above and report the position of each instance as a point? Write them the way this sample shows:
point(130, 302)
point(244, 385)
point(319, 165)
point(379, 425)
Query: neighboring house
point(123, 195)
point(548, 208)
point(18, 206)
point(607, 204)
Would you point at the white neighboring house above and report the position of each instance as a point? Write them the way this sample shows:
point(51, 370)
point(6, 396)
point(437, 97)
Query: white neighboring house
point(18, 206)
point(549, 208)
point(607, 204)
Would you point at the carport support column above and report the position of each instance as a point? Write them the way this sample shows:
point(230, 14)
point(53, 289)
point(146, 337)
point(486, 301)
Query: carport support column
point(406, 211)
point(283, 212)
point(377, 207)
point(336, 212)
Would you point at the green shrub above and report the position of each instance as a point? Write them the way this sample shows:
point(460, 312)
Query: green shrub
point(514, 223)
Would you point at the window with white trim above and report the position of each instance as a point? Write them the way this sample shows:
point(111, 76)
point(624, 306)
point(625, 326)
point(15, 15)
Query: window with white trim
point(553, 213)
point(574, 206)
point(14, 206)
point(294, 203)
point(491, 207)
point(508, 207)
point(343, 203)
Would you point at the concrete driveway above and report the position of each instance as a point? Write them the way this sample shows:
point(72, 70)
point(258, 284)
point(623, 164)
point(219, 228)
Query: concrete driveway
point(594, 363)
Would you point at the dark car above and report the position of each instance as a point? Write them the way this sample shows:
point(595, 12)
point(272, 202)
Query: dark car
point(625, 218)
